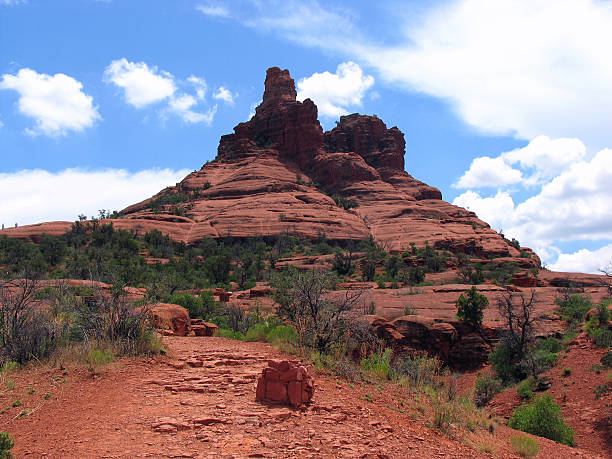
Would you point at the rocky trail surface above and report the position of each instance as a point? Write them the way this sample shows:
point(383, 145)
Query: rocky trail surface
point(200, 402)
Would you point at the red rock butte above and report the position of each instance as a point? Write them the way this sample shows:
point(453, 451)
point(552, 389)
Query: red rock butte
point(279, 173)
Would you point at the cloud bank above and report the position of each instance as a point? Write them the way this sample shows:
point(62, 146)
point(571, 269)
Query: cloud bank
point(34, 195)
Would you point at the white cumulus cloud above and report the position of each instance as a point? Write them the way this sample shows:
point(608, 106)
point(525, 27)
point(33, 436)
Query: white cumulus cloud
point(200, 86)
point(334, 93)
point(143, 85)
point(224, 94)
point(182, 106)
point(55, 102)
point(35, 195)
point(489, 172)
point(584, 260)
point(572, 206)
point(493, 209)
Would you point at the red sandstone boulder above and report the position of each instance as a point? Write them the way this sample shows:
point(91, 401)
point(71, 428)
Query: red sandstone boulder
point(524, 279)
point(171, 318)
point(285, 382)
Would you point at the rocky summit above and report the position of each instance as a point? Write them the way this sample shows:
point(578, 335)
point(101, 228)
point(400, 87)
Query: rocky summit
point(280, 173)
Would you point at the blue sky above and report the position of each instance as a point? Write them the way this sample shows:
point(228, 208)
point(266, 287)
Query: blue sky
point(505, 105)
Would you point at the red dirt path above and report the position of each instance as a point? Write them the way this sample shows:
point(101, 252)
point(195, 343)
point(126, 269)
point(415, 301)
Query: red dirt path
point(164, 408)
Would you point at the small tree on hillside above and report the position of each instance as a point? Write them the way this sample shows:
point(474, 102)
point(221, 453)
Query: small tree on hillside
point(516, 356)
point(471, 306)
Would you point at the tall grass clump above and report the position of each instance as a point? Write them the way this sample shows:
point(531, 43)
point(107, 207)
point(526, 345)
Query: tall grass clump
point(379, 363)
point(524, 445)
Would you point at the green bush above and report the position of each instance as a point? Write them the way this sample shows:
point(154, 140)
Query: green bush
point(526, 388)
point(502, 360)
point(257, 332)
point(524, 446)
point(550, 345)
point(567, 371)
point(379, 363)
point(282, 333)
point(606, 359)
point(542, 417)
point(98, 357)
point(199, 307)
point(418, 371)
point(471, 306)
point(486, 387)
point(573, 308)
point(602, 337)
point(231, 334)
point(6, 444)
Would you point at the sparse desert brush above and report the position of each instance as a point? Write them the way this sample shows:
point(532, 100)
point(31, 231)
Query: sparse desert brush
point(6, 444)
point(524, 445)
point(96, 358)
point(485, 388)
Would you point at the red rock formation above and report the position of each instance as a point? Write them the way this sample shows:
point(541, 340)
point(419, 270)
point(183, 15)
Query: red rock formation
point(272, 176)
point(171, 318)
point(286, 382)
point(453, 341)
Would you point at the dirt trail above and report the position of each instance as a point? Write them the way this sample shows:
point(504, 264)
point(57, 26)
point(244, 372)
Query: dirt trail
point(167, 408)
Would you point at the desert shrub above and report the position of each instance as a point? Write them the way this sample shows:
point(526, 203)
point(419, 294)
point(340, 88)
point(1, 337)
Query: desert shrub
point(602, 337)
point(601, 390)
point(379, 363)
point(6, 444)
point(415, 275)
point(486, 387)
point(526, 388)
point(550, 345)
point(470, 307)
point(257, 332)
point(606, 360)
point(573, 307)
point(321, 319)
point(524, 446)
point(542, 417)
point(517, 355)
point(97, 358)
point(199, 307)
point(503, 361)
point(26, 331)
point(231, 334)
point(108, 318)
point(409, 310)
point(282, 333)
point(418, 371)
point(567, 371)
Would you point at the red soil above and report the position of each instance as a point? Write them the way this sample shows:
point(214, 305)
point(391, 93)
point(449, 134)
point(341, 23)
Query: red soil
point(591, 419)
point(166, 408)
